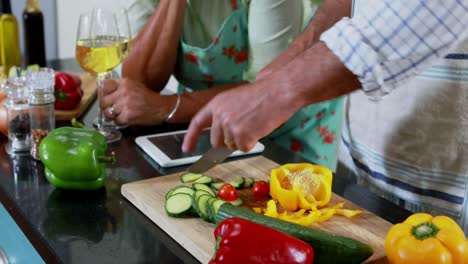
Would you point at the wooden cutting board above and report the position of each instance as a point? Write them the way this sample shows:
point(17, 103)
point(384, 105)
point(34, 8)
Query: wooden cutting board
point(88, 84)
point(196, 235)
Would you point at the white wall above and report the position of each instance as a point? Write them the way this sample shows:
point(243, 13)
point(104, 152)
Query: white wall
point(68, 13)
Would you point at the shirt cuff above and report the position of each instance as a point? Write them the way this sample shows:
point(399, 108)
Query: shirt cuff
point(346, 41)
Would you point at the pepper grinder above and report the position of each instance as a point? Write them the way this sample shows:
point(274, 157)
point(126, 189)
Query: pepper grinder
point(17, 114)
point(41, 106)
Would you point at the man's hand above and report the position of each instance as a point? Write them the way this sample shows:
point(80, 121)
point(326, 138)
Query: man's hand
point(242, 116)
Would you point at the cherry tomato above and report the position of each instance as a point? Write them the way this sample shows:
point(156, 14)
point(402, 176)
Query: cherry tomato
point(261, 189)
point(227, 192)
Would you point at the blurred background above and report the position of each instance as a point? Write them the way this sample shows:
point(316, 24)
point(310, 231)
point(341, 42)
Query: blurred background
point(60, 23)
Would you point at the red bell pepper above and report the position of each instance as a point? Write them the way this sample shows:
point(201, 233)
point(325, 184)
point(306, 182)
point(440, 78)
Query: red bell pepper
point(242, 241)
point(68, 91)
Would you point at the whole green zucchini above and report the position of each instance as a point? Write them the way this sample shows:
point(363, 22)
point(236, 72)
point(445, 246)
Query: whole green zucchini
point(329, 248)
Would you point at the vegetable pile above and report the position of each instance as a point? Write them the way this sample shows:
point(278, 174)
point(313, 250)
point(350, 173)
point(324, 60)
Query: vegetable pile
point(219, 203)
point(204, 197)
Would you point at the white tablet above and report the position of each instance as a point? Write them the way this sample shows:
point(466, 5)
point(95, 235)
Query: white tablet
point(166, 148)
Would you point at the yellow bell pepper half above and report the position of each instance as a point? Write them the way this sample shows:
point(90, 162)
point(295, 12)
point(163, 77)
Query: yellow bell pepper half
point(422, 238)
point(301, 186)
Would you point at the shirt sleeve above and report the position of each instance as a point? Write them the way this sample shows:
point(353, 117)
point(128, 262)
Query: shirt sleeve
point(387, 42)
point(272, 24)
point(139, 11)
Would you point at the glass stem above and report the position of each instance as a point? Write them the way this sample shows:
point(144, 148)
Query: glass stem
point(101, 119)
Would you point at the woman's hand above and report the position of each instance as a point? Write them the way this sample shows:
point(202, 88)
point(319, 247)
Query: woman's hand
point(133, 103)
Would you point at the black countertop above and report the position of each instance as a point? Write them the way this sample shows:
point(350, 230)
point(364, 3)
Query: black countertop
point(102, 226)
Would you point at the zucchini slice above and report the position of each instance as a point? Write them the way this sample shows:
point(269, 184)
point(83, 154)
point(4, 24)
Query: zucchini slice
point(238, 183)
point(190, 177)
point(237, 202)
point(204, 179)
point(209, 208)
point(180, 189)
point(201, 205)
point(249, 182)
point(178, 205)
point(217, 185)
point(204, 187)
point(216, 205)
point(196, 195)
point(199, 193)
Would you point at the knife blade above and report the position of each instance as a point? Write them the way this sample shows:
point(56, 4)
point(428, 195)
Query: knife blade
point(211, 158)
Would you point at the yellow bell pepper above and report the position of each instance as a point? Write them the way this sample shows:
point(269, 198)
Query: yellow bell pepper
point(301, 185)
point(422, 238)
point(303, 217)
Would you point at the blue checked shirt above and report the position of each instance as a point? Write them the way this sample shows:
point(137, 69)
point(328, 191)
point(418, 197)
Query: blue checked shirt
point(388, 41)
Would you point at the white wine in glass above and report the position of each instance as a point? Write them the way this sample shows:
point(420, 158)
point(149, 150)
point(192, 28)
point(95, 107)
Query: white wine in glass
point(125, 37)
point(99, 51)
point(98, 55)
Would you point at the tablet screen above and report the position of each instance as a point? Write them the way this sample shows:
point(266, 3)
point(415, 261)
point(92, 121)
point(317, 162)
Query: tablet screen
point(171, 145)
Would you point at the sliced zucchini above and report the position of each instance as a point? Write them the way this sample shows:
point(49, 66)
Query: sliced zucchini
point(249, 182)
point(237, 202)
point(180, 189)
point(195, 197)
point(178, 205)
point(190, 177)
point(199, 193)
point(217, 185)
point(216, 205)
point(209, 208)
point(204, 179)
point(238, 183)
point(201, 205)
point(204, 187)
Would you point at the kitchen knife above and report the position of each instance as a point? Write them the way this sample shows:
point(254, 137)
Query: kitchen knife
point(211, 158)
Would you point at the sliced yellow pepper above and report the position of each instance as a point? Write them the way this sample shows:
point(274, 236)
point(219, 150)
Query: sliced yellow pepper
point(301, 185)
point(422, 238)
point(258, 210)
point(271, 209)
point(306, 218)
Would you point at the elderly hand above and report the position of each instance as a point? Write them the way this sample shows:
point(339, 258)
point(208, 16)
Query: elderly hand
point(241, 116)
point(130, 102)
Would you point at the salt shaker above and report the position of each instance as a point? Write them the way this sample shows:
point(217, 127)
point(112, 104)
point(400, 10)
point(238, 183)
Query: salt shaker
point(17, 115)
point(41, 106)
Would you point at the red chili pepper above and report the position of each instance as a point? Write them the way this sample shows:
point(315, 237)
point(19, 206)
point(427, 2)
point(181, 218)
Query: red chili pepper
point(68, 91)
point(242, 241)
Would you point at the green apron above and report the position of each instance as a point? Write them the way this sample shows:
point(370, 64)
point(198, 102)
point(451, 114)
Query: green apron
point(313, 132)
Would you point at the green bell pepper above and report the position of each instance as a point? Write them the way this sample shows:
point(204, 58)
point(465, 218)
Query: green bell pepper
point(75, 158)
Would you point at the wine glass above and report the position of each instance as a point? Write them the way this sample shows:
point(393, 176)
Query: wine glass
point(125, 37)
point(123, 25)
point(99, 51)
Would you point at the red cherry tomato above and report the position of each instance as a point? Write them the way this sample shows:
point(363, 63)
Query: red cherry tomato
point(261, 189)
point(227, 192)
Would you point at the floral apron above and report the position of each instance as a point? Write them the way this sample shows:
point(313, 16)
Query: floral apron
point(313, 132)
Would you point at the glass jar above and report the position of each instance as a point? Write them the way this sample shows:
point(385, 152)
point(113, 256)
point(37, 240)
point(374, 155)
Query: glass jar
point(17, 115)
point(41, 106)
